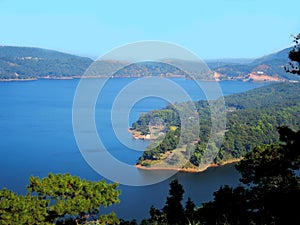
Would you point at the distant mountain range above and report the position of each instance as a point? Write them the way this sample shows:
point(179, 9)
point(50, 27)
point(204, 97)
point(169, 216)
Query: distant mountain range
point(269, 67)
point(35, 63)
point(26, 63)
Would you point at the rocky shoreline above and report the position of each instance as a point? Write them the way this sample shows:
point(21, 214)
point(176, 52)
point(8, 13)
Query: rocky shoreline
point(188, 170)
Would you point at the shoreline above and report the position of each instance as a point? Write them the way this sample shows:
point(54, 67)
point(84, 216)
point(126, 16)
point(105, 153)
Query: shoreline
point(95, 77)
point(188, 170)
point(138, 136)
point(16, 80)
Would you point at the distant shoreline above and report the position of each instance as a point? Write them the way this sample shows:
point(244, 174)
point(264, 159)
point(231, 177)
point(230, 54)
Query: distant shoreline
point(188, 170)
point(16, 80)
point(96, 77)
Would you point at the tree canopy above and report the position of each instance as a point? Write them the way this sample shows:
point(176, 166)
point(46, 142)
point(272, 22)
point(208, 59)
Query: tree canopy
point(294, 56)
point(252, 119)
point(272, 189)
point(15, 209)
point(173, 211)
point(59, 199)
point(269, 192)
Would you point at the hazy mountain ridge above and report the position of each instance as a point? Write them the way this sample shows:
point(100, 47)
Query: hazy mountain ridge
point(34, 63)
point(268, 67)
point(28, 62)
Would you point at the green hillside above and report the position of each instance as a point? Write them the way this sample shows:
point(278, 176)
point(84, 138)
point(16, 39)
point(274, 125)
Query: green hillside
point(270, 65)
point(26, 62)
point(252, 119)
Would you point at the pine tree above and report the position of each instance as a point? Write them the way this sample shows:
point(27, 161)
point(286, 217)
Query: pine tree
point(189, 210)
point(173, 208)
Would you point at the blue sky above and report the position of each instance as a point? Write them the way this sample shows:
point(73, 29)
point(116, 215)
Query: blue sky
point(210, 28)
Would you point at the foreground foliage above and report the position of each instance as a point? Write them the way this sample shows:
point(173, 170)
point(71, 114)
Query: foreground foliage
point(59, 199)
point(294, 56)
point(269, 193)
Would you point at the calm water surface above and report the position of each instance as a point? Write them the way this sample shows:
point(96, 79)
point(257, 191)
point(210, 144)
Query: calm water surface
point(36, 138)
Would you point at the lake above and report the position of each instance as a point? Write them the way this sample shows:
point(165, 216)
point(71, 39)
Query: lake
point(37, 138)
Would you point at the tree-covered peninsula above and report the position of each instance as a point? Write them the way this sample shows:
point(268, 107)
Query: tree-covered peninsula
point(252, 119)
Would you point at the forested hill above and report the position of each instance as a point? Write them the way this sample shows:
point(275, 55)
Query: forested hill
point(27, 62)
point(253, 118)
point(268, 67)
point(276, 95)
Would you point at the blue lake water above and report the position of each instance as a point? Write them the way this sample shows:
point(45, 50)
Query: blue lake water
point(36, 137)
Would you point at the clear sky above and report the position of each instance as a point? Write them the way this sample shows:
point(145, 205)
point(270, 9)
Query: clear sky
point(210, 28)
